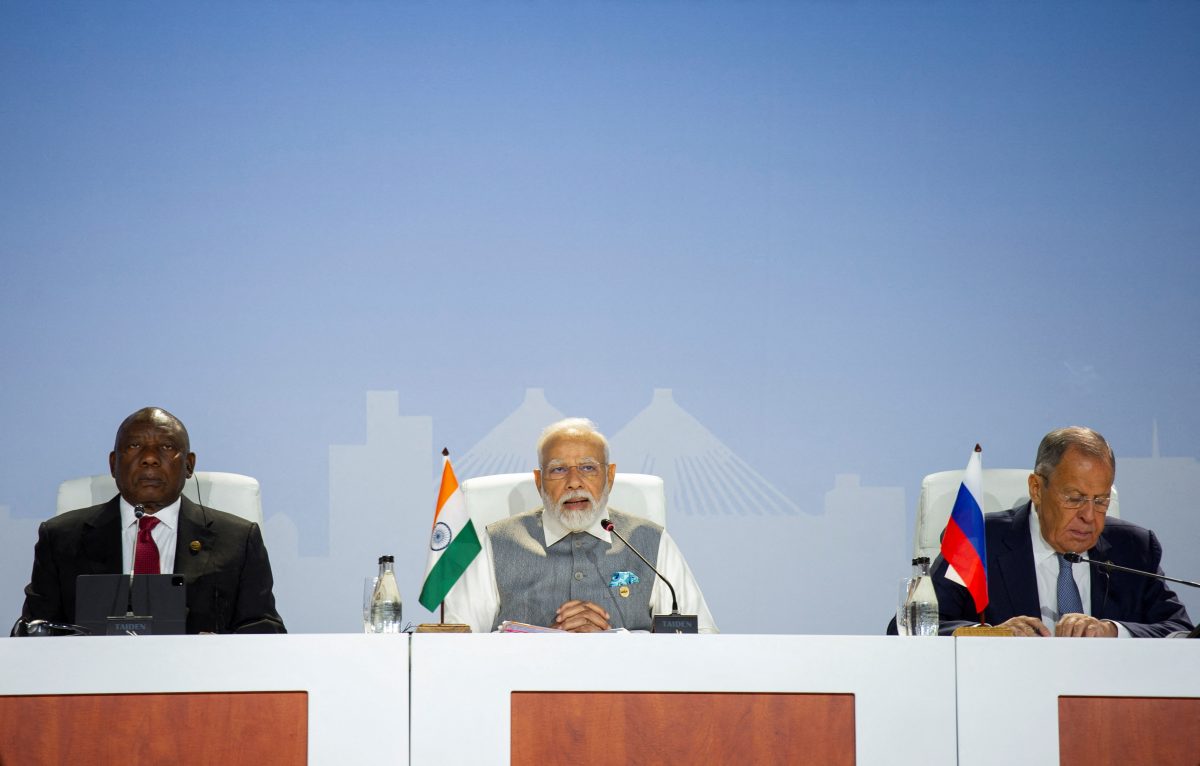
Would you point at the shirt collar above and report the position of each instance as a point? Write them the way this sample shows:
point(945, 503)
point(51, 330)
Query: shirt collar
point(167, 516)
point(1041, 548)
point(554, 530)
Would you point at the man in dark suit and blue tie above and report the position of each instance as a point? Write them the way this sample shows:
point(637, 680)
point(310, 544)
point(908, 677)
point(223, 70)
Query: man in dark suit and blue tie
point(1033, 590)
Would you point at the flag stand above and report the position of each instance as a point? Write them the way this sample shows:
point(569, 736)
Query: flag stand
point(453, 535)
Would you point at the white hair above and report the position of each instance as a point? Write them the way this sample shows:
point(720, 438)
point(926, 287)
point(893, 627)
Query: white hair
point(570, 427)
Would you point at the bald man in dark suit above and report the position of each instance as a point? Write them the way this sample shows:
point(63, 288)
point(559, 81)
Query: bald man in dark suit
point(222, 557)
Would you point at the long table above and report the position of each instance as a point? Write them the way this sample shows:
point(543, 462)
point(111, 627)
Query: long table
point(434, 699)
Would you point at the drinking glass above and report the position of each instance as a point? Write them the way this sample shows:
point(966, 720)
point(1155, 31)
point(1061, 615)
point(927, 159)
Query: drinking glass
point(906, 586)
point(369, 584)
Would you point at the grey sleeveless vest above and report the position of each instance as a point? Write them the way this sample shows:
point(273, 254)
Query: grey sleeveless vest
point(534, 580)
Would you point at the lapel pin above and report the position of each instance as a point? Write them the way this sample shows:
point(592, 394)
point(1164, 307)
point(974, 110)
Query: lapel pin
point(195, 546)
point(624, 591)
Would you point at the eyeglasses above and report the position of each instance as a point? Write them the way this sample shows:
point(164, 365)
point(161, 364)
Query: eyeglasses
point(1076, 501)
point(560, 471)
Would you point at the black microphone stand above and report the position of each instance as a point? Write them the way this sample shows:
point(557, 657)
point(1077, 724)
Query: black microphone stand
point(132, 624)
point(1075, 558)
point(662, 623)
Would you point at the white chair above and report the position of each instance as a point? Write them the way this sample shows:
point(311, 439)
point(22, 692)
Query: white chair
point(1003, 488)
point(492, 498)
point(229, 492)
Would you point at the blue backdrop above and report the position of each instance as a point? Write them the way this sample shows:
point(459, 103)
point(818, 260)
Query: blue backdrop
point(822, 248)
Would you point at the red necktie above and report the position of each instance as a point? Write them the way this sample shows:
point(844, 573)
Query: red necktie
point(145, 556)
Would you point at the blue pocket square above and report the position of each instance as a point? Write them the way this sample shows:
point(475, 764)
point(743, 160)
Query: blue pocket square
point(622, 578)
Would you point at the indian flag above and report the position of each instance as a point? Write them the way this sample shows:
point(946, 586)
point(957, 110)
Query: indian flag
point(453, 543)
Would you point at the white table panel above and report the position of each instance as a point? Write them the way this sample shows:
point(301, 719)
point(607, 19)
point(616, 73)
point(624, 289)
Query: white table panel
point(1008, 688)
point(357, 684)
point(900, 684)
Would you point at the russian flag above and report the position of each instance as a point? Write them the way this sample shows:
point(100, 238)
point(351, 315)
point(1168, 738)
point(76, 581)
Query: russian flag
point(964, 545)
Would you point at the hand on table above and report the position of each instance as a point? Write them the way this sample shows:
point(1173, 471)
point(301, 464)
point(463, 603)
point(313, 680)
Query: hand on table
point(1025, 626)
point(1081, 625)
point(578, 616)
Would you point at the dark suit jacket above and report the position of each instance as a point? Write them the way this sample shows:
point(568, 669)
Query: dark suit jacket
point(1144, 605)
point(228, 580)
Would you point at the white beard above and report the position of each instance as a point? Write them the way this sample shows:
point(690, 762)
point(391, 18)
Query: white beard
point(582, 520)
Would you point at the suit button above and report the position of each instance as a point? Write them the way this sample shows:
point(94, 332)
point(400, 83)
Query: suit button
point(579, 575)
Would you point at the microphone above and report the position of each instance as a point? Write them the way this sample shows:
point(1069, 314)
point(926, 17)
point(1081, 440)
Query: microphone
point(1075, 558)
point(46, 628)
point(673, 623)
point(131, 623)
point(139, 511)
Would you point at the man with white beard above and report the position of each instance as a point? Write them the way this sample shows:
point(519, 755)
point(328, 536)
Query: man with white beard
point(556, 567)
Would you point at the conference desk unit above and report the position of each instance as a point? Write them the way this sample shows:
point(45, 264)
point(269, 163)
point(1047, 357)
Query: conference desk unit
point(1078, 701)
point(640, 698)
point(229, 700)
point(637, 698)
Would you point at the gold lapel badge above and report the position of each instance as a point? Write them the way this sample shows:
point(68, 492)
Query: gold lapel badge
point(624, 591)
point(195, 546)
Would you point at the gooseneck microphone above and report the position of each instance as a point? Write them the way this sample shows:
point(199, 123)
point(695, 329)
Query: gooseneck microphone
point(607, 526)
point(139, 511)
point(1075, 558)
point(673, 623)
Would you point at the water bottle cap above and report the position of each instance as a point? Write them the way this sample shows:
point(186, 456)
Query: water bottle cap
point(386, 560)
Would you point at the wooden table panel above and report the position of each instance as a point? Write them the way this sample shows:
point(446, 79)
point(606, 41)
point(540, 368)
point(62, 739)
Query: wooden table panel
point(146, 729)
point(681, 727)
point(1164, 731)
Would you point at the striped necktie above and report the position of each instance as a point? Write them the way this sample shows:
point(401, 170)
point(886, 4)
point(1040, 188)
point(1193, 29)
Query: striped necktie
point(1068, 593)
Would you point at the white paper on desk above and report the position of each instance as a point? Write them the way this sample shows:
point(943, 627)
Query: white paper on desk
point(512, 626)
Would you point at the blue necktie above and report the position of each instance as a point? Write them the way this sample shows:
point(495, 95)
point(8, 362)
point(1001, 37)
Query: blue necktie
point(1068, 594)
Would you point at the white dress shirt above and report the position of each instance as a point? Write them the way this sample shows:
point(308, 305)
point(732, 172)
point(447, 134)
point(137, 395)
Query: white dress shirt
point(165, 533)
point(475, 598)
point(1045, 564)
